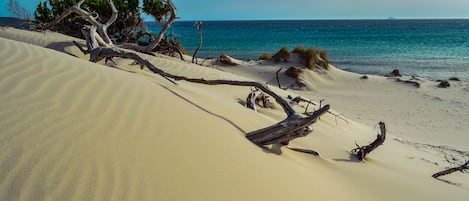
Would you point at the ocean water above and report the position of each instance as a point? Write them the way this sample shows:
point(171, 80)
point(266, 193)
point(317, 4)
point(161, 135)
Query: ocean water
point(426, 48)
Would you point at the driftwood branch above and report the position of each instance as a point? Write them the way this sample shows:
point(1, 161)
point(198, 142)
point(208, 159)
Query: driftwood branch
point(198, 26)
point(361, 151)
point(294, 126)
point(150, 47)
point(102, 38)
point(251, 99)
point(306, 151)
point(299, 99)
point(462, 168)
point(256, 97)
point(278, 78)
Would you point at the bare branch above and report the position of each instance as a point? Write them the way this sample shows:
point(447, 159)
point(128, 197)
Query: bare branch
point(103, 38)
point(361, 152)
point(113, 16)
point(462, 168)
point(278, 79)
point(150, 47)
point(198, 26)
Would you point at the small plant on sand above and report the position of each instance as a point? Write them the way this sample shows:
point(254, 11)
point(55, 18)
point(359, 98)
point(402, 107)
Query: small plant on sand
point(282, 55)
point(312, 58)
point(265, 56)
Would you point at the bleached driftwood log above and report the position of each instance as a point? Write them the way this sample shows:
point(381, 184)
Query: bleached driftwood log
point(294, 126)
point(361, 151)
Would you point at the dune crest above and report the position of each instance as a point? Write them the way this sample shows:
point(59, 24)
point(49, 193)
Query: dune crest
point(75, 130)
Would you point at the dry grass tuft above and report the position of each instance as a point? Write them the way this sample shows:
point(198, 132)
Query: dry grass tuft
point(313, 58)
point(265, 56)
point(282, 55)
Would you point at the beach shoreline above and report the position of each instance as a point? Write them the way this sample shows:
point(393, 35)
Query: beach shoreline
point(425, 47)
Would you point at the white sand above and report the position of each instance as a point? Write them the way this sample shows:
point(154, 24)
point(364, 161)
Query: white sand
point(74, 130)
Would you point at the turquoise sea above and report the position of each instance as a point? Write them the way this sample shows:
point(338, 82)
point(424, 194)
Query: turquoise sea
point(427, 48)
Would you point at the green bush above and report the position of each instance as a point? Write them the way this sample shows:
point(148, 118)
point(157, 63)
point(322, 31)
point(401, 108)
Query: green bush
point(282, 55)
point(265, 56)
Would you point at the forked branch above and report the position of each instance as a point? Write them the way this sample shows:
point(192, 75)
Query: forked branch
point(361, 151)
point(103, 38)
point(150, 47)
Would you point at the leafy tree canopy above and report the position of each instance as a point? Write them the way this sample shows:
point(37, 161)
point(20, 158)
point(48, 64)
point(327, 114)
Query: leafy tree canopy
point(128, 22)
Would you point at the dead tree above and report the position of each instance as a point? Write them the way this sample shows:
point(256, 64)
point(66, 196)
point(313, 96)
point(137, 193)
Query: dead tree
point(101, 29)
point(153, 44)
point(294, 126)
point(198, 26)
point(103, 38)
point(462, 168)
point(361, 151)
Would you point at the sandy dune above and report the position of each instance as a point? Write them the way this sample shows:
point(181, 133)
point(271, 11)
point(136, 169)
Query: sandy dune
point(74, 130)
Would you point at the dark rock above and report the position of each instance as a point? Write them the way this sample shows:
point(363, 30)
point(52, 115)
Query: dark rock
point(396, 73)
point(444, 84)
point(364, 77)
point(454, 79)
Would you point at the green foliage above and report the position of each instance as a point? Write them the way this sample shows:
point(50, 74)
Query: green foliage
point(156, 8)
point(282, 55)
point(128, 27)
point(43, 13)
point(265, 56)
point(123, 29)
point(312, 58)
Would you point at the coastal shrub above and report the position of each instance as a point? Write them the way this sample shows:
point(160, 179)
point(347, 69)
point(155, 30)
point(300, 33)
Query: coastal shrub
point(265, 56)
point(312, 58)
point(127, 28)
point(225, 59)
point(282, 55)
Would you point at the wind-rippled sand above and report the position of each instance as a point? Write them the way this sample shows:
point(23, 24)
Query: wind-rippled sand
point(75, 130)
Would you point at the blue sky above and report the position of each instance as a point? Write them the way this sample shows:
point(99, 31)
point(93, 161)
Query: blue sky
point(305, 9)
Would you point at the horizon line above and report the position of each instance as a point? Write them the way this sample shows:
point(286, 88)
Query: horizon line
point(322, 19)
